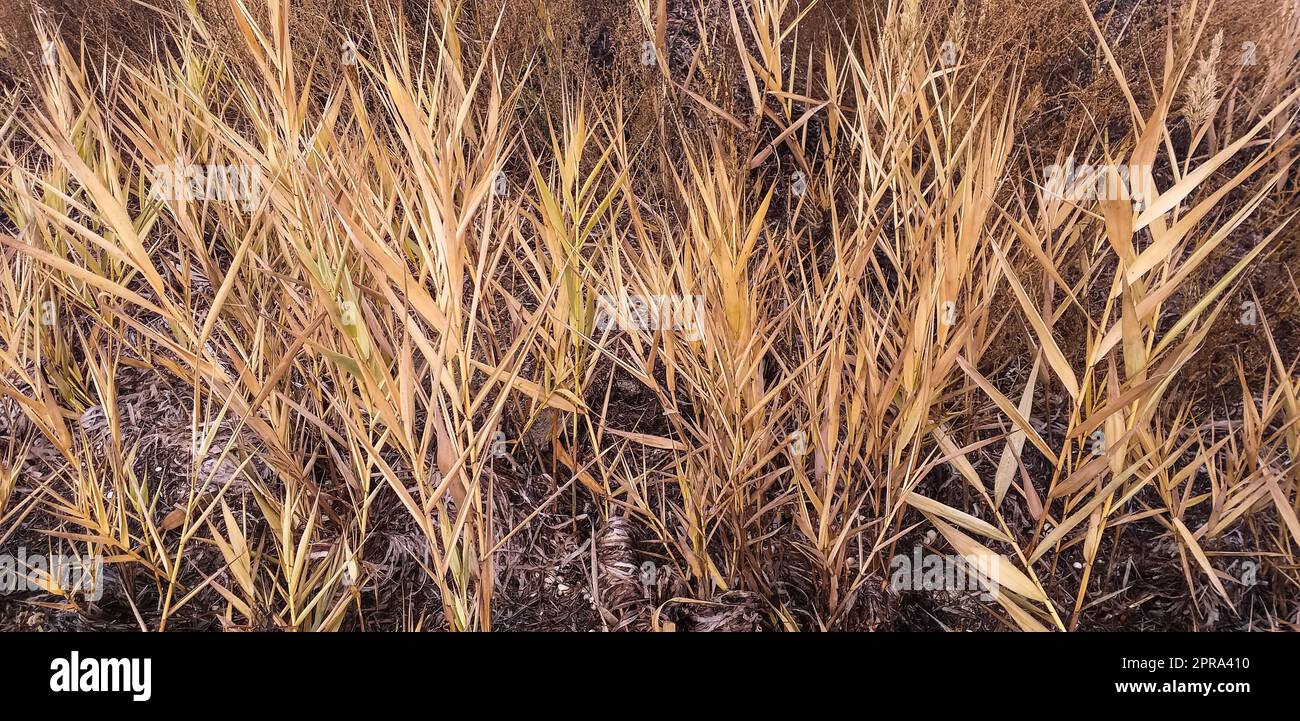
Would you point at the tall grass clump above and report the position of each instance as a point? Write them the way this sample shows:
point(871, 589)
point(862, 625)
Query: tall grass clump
point(654, 315)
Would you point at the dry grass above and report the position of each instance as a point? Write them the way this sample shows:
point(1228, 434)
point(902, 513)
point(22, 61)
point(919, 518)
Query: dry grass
point(379, 392)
